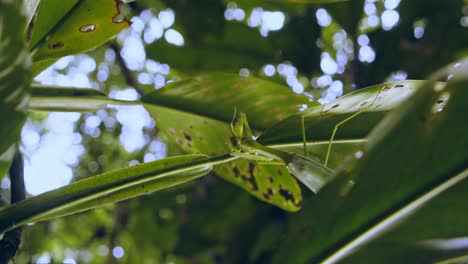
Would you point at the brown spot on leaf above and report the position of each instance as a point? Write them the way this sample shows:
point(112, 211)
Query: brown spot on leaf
point(172, 131)
point(270, 191)
point(335, 106)
point(363, 103)
point(287, 195)
point(187, 136)
point(399, 86)
point(251, 179)
point(386, 88)
point(56, 45)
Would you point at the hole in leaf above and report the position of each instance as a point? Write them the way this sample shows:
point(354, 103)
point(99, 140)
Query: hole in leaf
point(335, 106)
point(87, 28)
point(187, 136)
point(122, 12)
point(441, 102)
point(56, 45)
point(399, 86)
point(386, 88)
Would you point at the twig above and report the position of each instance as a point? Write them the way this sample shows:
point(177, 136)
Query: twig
point(121, 221)
point(127, 74)
point(12, 239)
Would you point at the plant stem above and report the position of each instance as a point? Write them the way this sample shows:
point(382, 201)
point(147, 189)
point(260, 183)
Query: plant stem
point(12, 239)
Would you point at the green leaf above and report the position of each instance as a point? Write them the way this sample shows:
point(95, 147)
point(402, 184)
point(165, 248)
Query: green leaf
point(317, 150)
point(15, 64)
point(107, 188)
point(71, 99)
point(417, 241)
point(197, 113)
point(415, 154)
point(321, 119)
point(49, 14)
point(89, 24)
point(255, 96)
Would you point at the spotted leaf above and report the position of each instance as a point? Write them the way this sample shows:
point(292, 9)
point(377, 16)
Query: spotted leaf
point(86, 25)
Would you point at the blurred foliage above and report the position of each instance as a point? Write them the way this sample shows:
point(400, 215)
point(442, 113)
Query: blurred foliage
point(211, 221)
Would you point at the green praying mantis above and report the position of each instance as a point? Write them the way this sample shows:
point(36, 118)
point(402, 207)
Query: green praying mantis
point(310, 172)
point(313, 174)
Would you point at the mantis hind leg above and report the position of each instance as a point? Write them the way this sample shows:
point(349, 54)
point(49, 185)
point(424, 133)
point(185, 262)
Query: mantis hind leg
point(335, 129)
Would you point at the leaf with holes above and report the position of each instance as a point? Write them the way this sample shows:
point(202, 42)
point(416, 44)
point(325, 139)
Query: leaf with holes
point(414, 155)
point(85, 26)
point(190, 113)
point(49, 14)
point(15, 66)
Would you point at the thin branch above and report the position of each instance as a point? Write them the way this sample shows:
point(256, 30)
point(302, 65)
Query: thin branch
point(127, 74)
point(121, 219)
point(12, 239)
